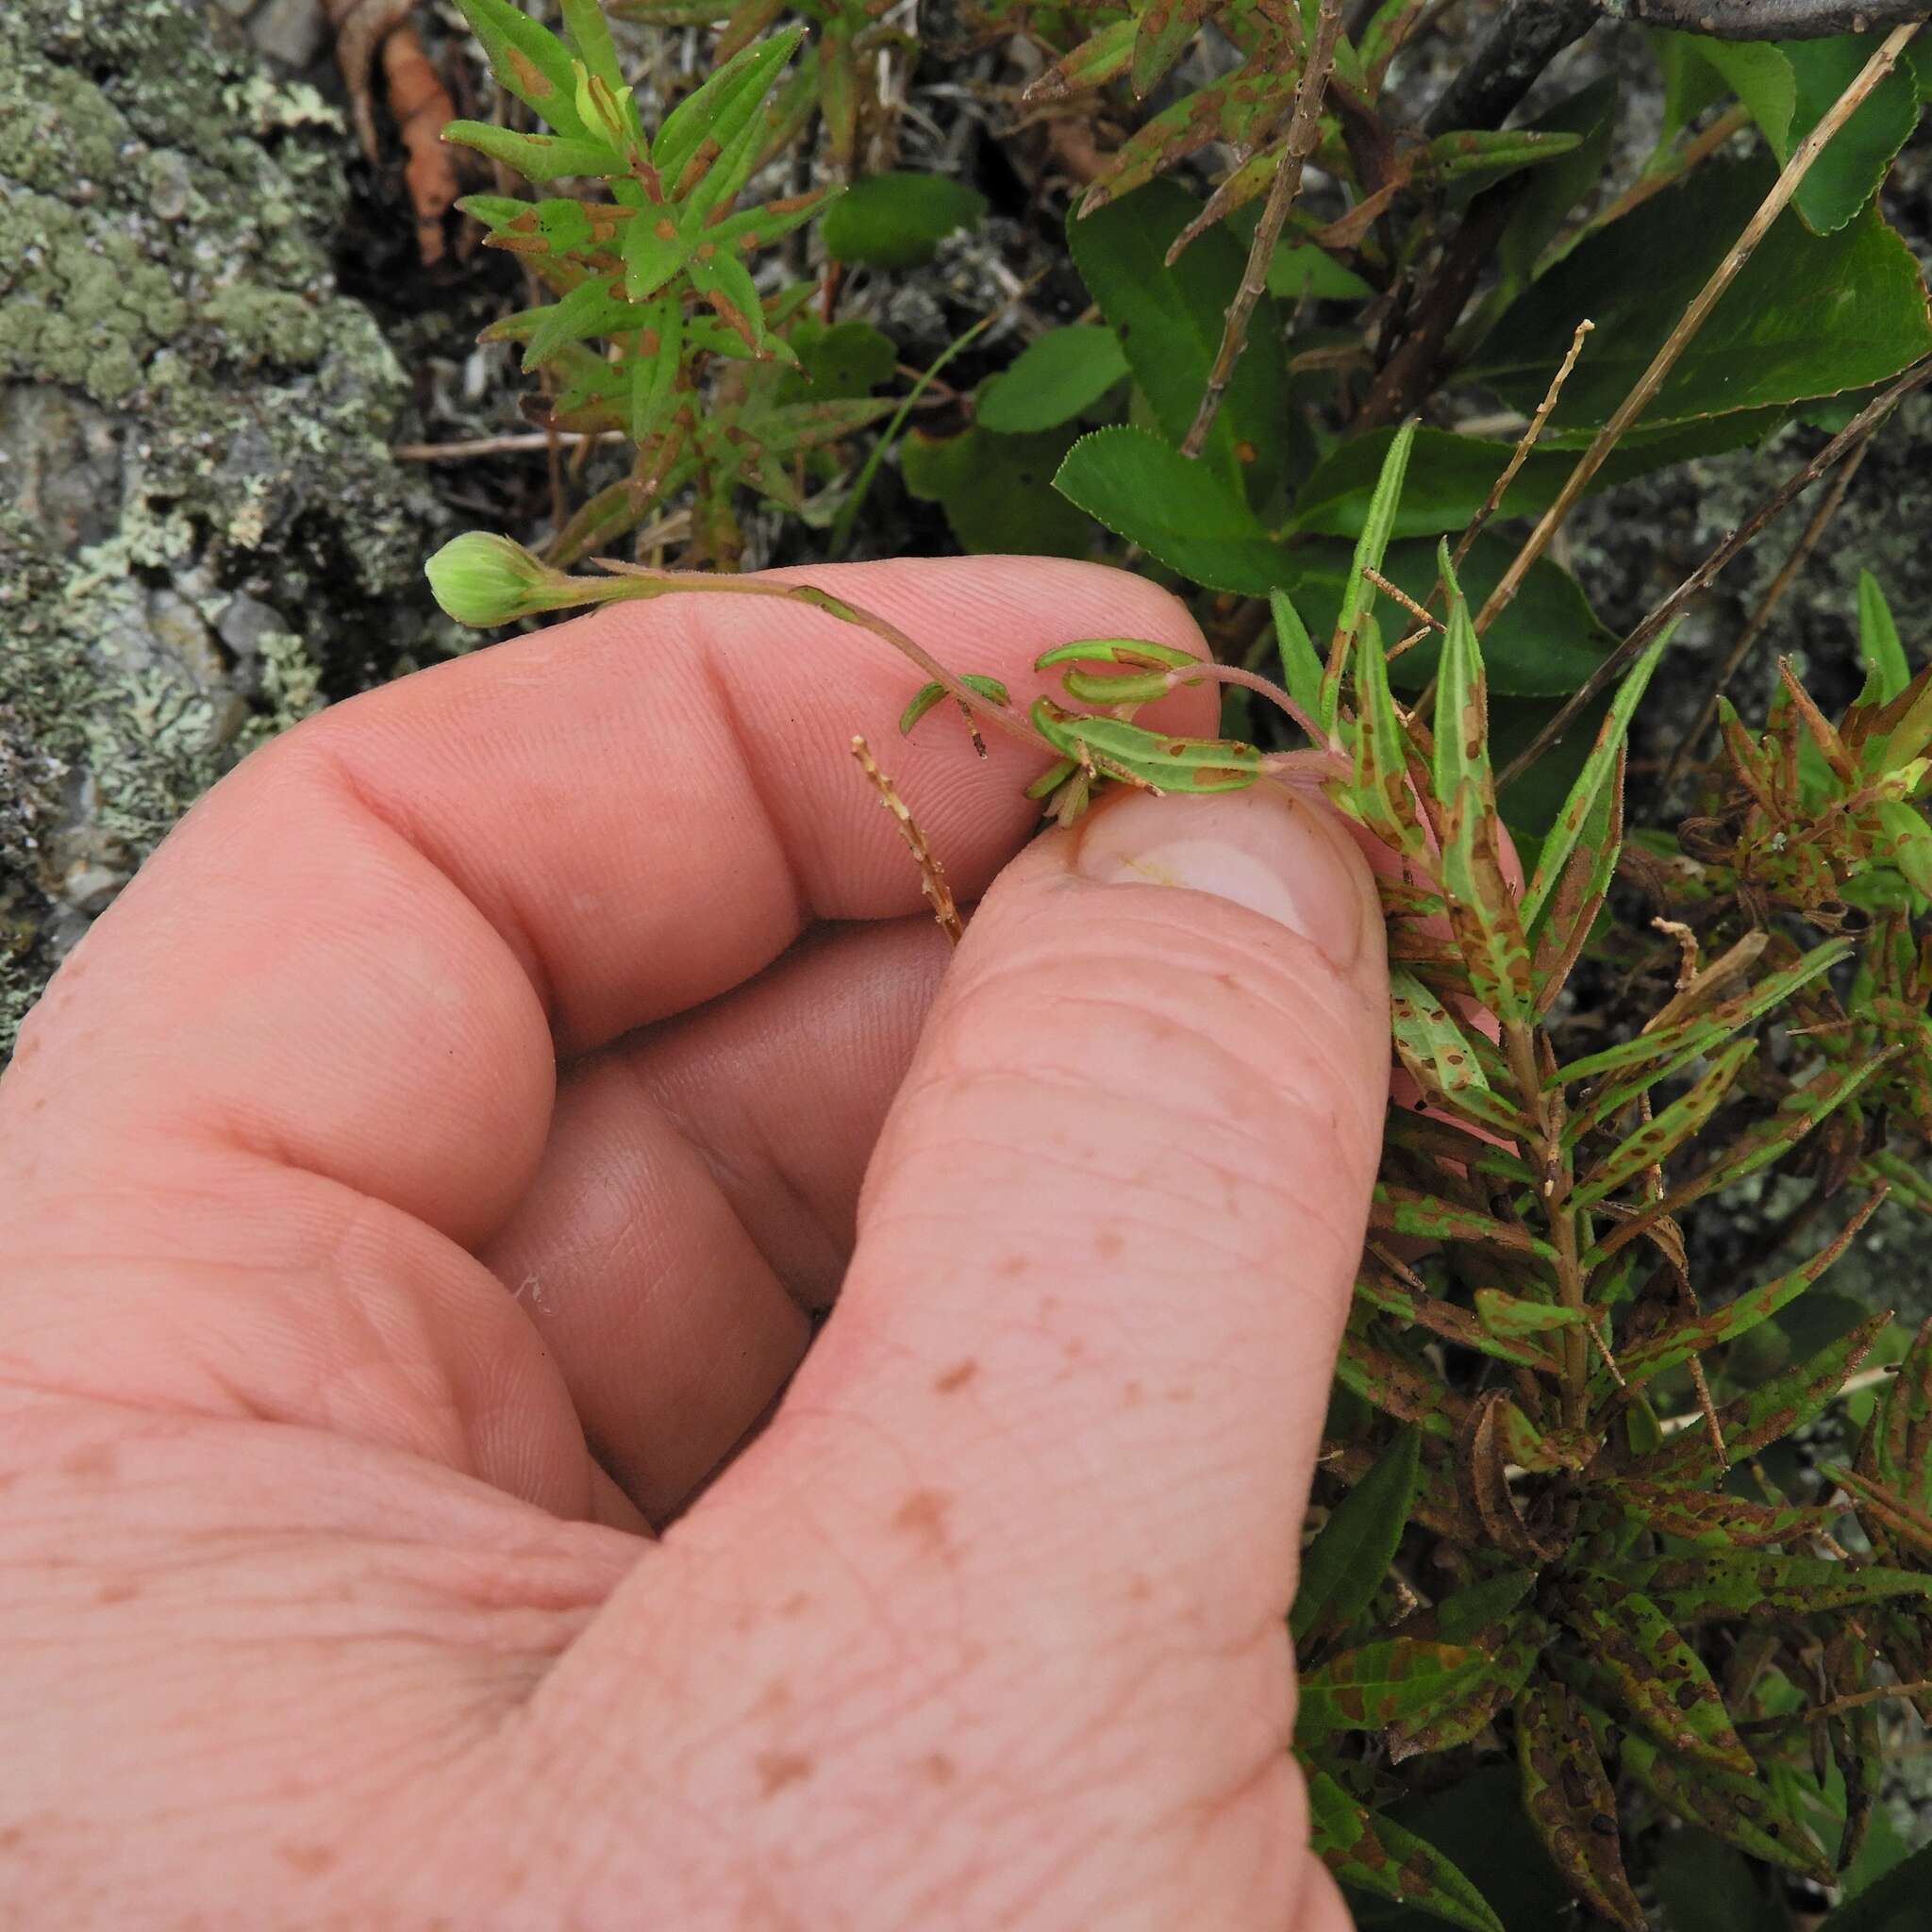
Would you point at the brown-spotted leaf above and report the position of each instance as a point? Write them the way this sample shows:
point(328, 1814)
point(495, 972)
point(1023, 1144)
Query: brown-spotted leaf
point(1370, 1687)
point(1376, 1854)
point(1661, 1680)
point(1397, 1388)
point(1706, 1590)
point(1570, 1803)
point(1481, 1462)
point(1718, 1520)
point(1743, 1812)
point(1465, 1712)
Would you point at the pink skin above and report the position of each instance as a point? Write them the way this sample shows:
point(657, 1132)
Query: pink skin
point(417, 1181)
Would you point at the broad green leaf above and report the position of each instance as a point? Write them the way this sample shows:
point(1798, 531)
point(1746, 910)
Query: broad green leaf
point(1706, 1884)
point(1571, 1803)
point(1743, 1812)
point(1661, 1680)
point(1053, 380)
point(1544, 645)
point(1374, 1684)
point(1895, 1903)
point(998, 490)
point(1376, 1855)
point(1704, 1590)
point(1808, 315)
point(1886, 671)
point(532, 63)
point(1169, 321)
point(1294, 271)
point(1177, 510)
point(1344, 1566)
point(899, 220)
point(849, 359)
point(1598, 770)
point(1463, 1617)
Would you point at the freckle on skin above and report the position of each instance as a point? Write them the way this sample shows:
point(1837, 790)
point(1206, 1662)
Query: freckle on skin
point(957, 1378)
point(795, 1605)
point(778, 1769)
point(1010, 1266)
point(1139, 1589)
point(1181, 1391)
point(117, 1591)
point(91, 1459)
point(923, 1514)
point(1110, 1245)
point(309, 1860)
point(1134, 1394)
point(939, 1769)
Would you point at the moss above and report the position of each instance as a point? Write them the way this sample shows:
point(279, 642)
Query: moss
point(201, 527)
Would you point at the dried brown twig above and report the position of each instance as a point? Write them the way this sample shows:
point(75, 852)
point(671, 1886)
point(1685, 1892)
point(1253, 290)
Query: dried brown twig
point(932, 875)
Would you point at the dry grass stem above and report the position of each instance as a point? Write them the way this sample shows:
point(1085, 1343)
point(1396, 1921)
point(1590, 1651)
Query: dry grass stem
point(932, 875)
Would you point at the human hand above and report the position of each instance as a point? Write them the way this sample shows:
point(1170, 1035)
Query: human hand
point(347, 1345)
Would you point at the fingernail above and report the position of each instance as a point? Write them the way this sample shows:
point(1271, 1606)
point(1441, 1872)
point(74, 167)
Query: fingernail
point(1261, 848)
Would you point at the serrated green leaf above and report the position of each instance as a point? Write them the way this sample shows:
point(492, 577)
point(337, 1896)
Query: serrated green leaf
point(1344, 1566)
point(1054, 379)
point(1373, 1685)
point(1376, 1855)
point(1178, 511)
point(1661, 1680)
point(1546, 199)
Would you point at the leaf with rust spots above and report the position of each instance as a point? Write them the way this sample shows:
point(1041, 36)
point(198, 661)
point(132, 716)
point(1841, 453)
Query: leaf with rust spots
point(1482, 909)
point(1395, 1386)
point(1370, 1687)
point(1377, 1287)
point(1407, 1211)
point(1571, 1802)
point(1763, 1415)
point(1661, 1680)
point(1461, 1715)
point(1376, 1855)
point(1705, 1589)
point(1901, 1425)
point(1656, 1353)
point(1652, 1143)
point(1442, 1060)
point(1743, 1812)
point(1720, 1521)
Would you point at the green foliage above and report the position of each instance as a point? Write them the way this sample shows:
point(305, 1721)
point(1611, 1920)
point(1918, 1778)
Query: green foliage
point(1585, 1518)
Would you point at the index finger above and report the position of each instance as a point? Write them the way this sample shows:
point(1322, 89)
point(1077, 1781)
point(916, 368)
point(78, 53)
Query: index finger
point(363, 953)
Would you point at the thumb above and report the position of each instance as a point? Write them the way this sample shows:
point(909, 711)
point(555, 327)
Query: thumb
point(1004, 1581)
point(1109, 1237)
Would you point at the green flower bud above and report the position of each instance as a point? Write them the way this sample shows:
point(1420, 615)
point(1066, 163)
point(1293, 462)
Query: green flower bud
point(483, 580)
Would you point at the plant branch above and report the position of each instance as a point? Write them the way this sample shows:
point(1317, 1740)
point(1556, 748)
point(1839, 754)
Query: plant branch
point(1769, 20)
point(1303, 130)
point(1857, 432)
point(1528, 36)
point(1644, 390)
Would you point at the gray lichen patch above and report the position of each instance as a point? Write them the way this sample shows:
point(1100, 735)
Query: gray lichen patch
point(201, 526)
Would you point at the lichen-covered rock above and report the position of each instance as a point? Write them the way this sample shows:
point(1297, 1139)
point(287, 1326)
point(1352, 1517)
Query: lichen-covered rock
point(202, 532)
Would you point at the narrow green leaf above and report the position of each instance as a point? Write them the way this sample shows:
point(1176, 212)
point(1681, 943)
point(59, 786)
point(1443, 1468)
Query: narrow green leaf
point(1376, 1855)
point(1462, 706)
point(1571, 1803)
point(530, 62)
point(1886, 671)
point(1117, 748)
point(535, 157)
point(1508, 1315)
point(1344, 1566)
point(1467, 1710)
point(1358, 594)
point(1597, 772)
point(1380, 796)
point(1441, 1058)
point(1718, 1520)
point(1653, 1143)
point(655, 370)
point(714, 115)
point(1706, 1590)
point(589, 34)
point(1395, 1386)
point(1301, 664)
point(1482, 911)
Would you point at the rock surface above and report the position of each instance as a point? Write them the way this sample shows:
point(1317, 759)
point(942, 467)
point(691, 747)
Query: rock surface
point(202, 530)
